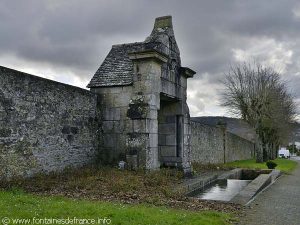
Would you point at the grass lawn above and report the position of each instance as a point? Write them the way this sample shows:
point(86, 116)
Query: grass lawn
point(158, 188)
point(15, 204)
point(284, 165)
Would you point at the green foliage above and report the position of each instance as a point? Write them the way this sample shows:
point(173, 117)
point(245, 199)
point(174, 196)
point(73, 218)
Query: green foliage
point(19, 205)
point(271, 165)
point(282, 164)
point(292, 148)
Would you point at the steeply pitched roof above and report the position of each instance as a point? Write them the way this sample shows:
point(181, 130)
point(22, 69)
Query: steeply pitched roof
point(117, 68)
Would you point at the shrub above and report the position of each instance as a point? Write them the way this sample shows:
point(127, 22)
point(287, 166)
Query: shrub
point(271, 165)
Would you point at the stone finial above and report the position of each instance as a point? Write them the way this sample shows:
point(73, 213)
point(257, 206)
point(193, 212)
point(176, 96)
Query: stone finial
point(162, 22)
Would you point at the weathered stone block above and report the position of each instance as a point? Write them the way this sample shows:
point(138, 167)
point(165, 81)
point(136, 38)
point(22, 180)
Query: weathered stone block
point(126, 126)
point(186, 139)
point(161, 139)
point(121, 142)
point(117, 127)
point(108, 126)
point(109, 140)
point(153, 140)
point(121, 100)
point(186, 120)
point(108, 114)
point(152, 126)
point(170, 119)
point(152, 99)
point(136, 140)
point(152, 114)
point(116, 114)
point(167, 151)
point(167, 128)
point(139, 126)
point(152, 162)
point(171, 139)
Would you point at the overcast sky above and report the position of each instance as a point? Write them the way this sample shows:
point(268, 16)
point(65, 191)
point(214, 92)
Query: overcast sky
point(68, 40)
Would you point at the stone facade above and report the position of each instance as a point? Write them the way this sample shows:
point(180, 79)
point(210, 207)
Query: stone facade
point(44, 125)
point(213, 145)
point(143, 88)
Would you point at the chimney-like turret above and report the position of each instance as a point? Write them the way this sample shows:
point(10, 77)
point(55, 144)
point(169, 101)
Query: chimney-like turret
point(163, 22)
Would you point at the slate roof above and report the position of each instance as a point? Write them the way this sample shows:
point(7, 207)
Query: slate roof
point(117, 68)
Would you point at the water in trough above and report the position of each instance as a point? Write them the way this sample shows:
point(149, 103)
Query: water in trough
point(222, 190)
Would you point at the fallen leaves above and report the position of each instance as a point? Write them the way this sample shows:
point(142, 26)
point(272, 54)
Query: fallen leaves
point(127, 187)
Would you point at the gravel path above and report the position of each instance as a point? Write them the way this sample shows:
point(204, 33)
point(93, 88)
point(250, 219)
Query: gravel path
point(279, 204)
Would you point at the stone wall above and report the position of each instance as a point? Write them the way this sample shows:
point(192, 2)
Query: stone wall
point(238, 148)
point(115, 123)
point(207, 144)
point(48, 126)
point(167, 130)
point(212, 145)
point(44, 125)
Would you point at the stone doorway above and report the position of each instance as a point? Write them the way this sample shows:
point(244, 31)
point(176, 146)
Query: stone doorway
point(170, 132)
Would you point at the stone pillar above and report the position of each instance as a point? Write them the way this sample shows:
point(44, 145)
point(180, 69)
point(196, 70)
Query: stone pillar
point(186, 153)
point(143, 107)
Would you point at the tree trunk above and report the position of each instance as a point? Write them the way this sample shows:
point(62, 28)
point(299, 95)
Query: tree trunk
point(265, 152)
point(259, 151)
point(274, 151)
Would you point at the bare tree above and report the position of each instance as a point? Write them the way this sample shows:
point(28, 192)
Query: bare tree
point(258, 96)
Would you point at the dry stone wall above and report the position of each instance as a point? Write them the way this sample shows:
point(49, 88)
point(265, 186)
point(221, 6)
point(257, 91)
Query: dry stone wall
point(44, 125)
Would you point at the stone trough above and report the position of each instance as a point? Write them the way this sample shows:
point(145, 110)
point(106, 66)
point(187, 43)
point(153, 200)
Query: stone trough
point(237, 186)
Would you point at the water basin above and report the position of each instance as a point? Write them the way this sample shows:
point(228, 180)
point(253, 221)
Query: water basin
point(222, 190)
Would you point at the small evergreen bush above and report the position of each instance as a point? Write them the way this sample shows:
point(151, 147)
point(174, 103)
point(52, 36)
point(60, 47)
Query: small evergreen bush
point(271, 165)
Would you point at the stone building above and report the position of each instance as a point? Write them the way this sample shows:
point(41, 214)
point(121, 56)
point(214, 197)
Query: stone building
point(142, 88)
point(135, 111)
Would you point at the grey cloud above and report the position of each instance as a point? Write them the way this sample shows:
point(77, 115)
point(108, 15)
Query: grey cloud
point(76, 35)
